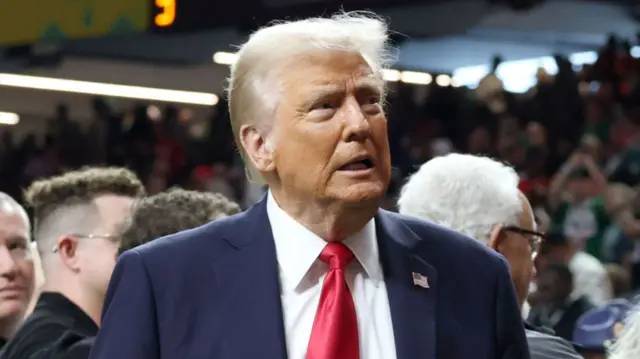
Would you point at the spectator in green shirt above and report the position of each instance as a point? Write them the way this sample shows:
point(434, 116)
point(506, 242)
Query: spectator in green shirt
point(577, 203)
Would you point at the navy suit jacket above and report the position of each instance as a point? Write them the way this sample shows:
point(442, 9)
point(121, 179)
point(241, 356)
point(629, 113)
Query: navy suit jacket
point(213, 293)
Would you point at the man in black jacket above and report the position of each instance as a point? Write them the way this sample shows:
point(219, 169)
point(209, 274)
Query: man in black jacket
point(555, 308)
point(77, 220)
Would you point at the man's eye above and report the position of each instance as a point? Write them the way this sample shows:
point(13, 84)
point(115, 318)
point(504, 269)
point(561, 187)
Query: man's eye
point(373, 100)
point(17, 246)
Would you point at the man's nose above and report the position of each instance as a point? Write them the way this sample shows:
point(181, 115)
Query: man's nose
point(358, 127)
point(8, 265)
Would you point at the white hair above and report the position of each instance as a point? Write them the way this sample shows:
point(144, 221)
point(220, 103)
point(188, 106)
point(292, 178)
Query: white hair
point(628, 345)
point(469, 194)
point(11, 206)
point(254, 85)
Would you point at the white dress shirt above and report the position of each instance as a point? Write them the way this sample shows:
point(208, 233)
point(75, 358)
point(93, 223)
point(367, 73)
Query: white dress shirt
point(301, 279)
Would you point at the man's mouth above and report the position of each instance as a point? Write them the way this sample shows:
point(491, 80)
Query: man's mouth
point(12, 291)
point(358, 165)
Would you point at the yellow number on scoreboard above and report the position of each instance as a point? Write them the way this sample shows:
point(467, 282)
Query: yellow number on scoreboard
point(168, 14)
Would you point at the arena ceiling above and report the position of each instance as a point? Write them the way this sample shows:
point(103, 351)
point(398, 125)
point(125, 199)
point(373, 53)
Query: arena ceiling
point(432, 35)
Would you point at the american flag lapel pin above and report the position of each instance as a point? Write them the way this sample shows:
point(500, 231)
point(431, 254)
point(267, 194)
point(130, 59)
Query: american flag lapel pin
point(420, 280)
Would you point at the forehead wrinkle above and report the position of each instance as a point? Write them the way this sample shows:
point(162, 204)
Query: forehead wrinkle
point(354, 83)
point(369, 83)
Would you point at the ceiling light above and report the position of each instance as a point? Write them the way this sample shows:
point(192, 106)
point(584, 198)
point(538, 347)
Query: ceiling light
point(391, 75)
point(443, 80)
point(110, 90)
point(418, 78)
point(224, 58)
point(9, 118)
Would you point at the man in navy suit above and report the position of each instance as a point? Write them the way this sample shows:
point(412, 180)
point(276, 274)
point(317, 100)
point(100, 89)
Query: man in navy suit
point(315, 270)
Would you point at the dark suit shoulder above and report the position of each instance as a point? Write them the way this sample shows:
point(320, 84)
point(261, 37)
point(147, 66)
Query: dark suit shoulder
point(545, 346)
point(432, 236)
point(205, 243)
point(208, 235)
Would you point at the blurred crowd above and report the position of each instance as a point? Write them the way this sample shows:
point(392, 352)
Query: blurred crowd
point(165, 148)
point(574, 139)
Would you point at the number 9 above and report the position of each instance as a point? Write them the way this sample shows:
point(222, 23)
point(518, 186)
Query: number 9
point(168, 14)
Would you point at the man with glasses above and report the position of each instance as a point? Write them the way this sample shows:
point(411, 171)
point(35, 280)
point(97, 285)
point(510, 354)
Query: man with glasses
point(77, 218)
point(479, 197)
point(16, 266)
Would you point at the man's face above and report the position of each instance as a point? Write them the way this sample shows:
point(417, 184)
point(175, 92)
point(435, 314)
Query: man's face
point(330, 133)
point(552, 289)
point(518, 251)
point(581, 188)
point(97, 256)
point(553, 253)
point(16, 267)
point(536, 134)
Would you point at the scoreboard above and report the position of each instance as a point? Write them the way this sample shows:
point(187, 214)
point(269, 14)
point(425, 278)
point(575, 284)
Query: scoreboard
point(169, 16)
point(166, 13)
point(28, 21)
point(24, 22)
point(192, 15)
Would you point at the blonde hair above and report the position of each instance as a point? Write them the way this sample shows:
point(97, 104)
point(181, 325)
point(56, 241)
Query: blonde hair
point(254, 85)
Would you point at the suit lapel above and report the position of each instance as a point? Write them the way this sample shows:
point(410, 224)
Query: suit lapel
point(248, 282)
point(413, 307)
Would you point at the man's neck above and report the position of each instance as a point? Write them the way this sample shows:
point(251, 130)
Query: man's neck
point(330, 220)
point(91, 306)
point(8, 327)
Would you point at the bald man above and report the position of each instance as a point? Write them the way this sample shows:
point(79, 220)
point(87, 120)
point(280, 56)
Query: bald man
point(16, 266)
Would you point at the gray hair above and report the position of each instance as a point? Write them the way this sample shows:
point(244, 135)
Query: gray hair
point(469, 194)
point(254, 83)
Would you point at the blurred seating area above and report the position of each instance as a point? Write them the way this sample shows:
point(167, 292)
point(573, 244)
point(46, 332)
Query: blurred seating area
point(592, 110)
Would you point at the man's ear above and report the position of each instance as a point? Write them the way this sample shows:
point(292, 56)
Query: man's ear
point(496, 238)
point(66, 249)
point(257, 147)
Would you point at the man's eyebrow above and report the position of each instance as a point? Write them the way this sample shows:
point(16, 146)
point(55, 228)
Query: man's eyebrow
point(17, 238)
point(369, 87)
point(370, 83)
point(322, 90)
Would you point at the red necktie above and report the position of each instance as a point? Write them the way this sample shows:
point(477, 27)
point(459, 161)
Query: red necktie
point(335, 328)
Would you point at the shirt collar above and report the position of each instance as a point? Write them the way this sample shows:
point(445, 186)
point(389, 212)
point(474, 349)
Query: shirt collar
point(298, 248)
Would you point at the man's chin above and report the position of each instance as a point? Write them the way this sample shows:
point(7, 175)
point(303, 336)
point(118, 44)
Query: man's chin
point(366, 192)
point(12, 307)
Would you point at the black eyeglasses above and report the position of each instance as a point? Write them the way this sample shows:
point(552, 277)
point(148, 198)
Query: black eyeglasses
point(110, 237)
point(535, 238)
